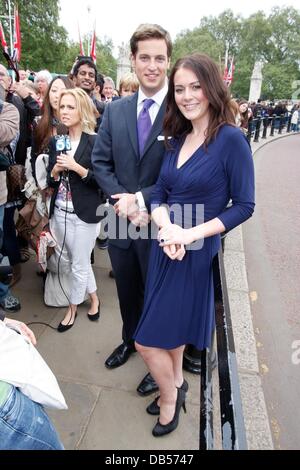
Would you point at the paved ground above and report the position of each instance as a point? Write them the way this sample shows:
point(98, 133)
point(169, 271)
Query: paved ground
point(105, 411)
point(271, 240)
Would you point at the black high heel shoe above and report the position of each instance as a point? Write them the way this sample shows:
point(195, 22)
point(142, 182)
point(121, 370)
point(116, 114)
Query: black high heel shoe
point(94, 316)
point(154, 408)
point(62, 328)
point(162, 429)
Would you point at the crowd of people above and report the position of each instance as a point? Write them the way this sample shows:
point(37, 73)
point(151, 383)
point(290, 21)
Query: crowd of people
point(158, 164)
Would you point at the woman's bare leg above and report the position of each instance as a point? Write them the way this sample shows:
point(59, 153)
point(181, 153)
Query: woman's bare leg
point(69, 317)
point(160, 365)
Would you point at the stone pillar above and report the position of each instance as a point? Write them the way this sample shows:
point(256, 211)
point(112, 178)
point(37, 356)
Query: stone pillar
point(123, 64)
point(256, 82)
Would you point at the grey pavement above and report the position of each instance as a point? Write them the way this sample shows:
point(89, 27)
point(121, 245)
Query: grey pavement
point(105, 411)
point(272, 235)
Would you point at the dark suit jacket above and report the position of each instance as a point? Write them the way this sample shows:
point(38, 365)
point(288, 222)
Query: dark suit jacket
point(86, 195)
point(118, 167)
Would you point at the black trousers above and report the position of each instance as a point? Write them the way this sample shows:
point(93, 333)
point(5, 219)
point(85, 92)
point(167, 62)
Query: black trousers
point(10, 245)
point(130, 268)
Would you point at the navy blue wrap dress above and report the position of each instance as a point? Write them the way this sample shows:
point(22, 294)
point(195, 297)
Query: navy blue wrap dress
point(179, 296)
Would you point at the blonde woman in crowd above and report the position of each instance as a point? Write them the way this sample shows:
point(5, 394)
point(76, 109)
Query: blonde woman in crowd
point(129, 84)
point(75, 199)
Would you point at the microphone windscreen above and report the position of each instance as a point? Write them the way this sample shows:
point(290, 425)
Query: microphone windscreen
point(61, 129)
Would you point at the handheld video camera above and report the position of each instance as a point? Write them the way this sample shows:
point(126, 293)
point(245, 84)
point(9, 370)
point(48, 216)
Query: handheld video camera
point(62, 143)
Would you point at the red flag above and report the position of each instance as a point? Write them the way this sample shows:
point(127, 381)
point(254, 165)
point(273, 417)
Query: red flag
point(80, 43)
point(17, 38)
point(225, 74)
point(2, 38)
point(93, 48)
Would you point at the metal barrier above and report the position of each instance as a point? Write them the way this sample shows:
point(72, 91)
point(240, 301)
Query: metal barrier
point(258, 127)
point(231, 415)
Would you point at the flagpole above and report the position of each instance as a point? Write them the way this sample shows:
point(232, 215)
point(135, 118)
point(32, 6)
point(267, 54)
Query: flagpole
point(89, 34)
point(10, 28)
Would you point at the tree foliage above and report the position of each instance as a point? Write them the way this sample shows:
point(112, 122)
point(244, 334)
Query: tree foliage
point(273, 39)
point(45, 44)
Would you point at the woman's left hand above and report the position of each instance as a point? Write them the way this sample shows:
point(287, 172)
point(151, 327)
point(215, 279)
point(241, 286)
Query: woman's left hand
point(174, 235)
point(67, 162)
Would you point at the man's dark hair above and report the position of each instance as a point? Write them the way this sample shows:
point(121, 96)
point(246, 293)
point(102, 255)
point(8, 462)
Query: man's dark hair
point(100, 81)
point(81, 62)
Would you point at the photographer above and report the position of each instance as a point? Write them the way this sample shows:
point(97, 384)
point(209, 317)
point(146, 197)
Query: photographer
point(9, 128)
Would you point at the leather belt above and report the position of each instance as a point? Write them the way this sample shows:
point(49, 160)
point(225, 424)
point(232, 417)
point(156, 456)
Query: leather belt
point(64, 210)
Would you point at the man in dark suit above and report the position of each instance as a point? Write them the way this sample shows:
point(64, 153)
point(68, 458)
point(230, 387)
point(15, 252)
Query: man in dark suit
point(127, 158)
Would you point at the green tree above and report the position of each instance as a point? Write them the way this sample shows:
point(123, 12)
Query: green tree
point(278, 80)
point(256, 35)
point(273, 39)
point(212, 37)
point(44, 42)
point(106, 63)
point(226, 29)
point(285, 37)
point(196, 40)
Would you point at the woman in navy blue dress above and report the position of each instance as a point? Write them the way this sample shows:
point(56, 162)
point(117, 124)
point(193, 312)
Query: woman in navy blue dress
point(208, 163)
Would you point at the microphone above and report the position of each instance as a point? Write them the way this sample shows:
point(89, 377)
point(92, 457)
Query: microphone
point(62, 143)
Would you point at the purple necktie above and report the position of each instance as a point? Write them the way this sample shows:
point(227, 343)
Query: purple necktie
point(144, 124)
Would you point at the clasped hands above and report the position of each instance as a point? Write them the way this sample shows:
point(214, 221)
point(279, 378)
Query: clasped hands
point(173, 238)
point(127, 207)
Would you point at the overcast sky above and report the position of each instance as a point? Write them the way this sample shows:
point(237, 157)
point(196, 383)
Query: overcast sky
point(117, 19)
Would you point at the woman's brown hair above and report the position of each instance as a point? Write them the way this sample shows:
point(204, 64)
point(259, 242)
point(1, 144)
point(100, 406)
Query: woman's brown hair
point(209, 76)
point(43, 130)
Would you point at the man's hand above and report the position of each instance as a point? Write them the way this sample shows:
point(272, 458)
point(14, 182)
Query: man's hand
point(23, 328)
point(20, 89)
point(140, 218)
point(126, 205)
